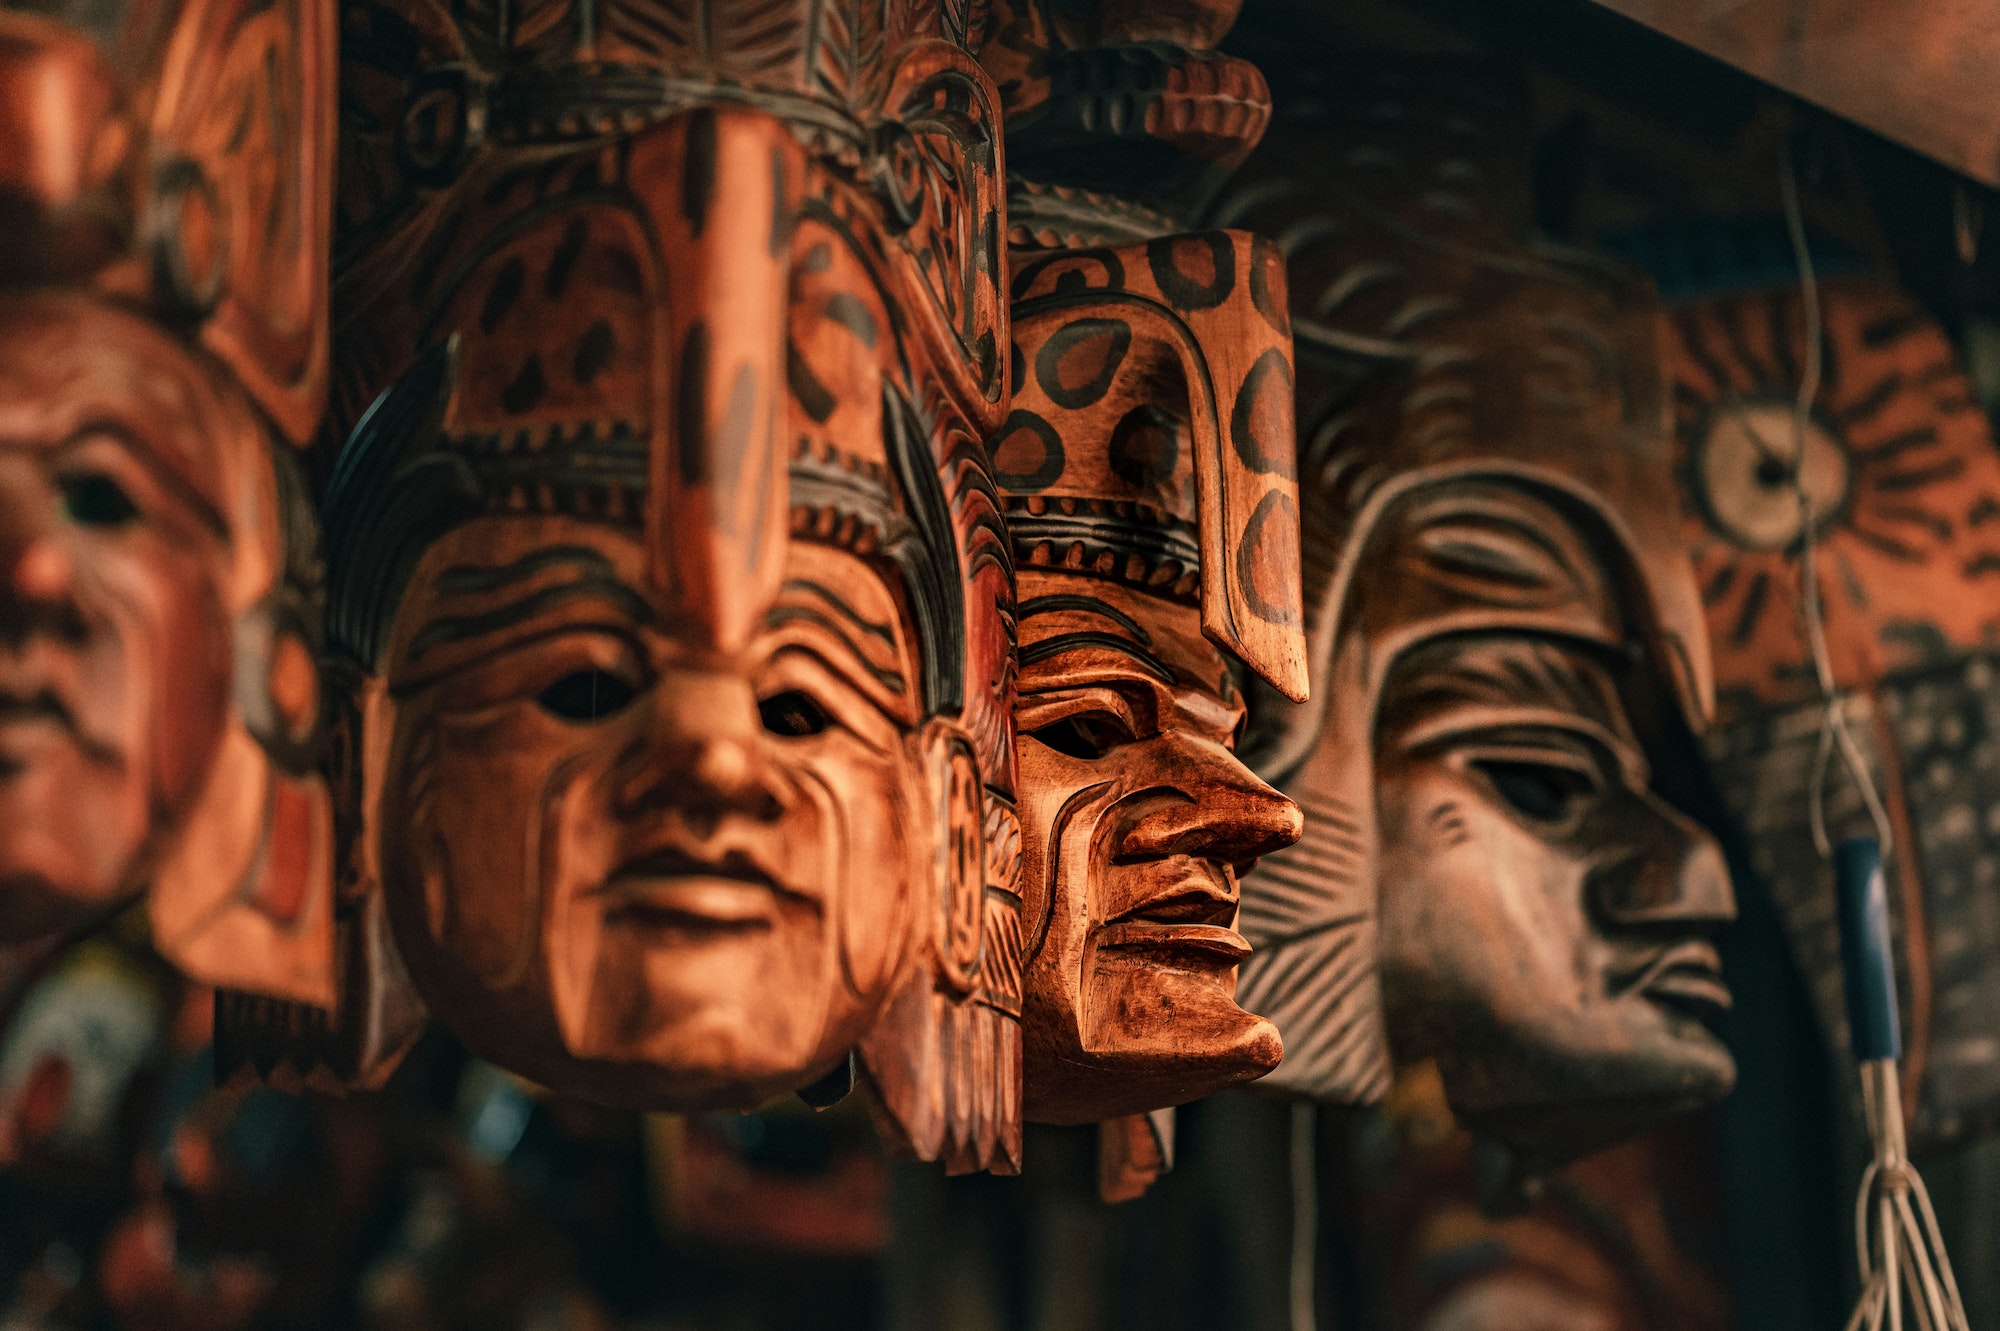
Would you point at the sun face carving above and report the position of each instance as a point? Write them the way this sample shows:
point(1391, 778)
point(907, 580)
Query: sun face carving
point(1897, 468)
point(1758, 476)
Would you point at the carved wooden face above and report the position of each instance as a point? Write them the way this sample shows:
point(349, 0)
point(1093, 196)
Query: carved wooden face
point(703, 862)
point(1136, 819)
point(118, 449)
point(675, 756)
point(1545, 918)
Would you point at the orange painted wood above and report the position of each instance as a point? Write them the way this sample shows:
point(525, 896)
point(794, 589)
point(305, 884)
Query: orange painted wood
point(165, 300)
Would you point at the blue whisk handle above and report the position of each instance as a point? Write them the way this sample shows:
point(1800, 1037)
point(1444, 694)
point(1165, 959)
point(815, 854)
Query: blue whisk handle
point(1866, 963)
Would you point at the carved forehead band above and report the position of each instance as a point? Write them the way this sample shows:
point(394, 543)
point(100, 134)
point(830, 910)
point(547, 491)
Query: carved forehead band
point(401, 485)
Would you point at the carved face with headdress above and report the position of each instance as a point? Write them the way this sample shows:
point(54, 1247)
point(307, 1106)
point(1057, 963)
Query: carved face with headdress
point(676, 585)
point(1148, 467)
point(1505, 636)
point(162, 308)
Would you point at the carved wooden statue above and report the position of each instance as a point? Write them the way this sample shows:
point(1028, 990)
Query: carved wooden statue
point(163, 348)
point(1148, 465)
point(1504, 635)
point(666, 570)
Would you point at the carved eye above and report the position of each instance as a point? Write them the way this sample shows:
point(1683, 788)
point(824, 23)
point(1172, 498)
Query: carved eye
point(1085, 735)
point(586, 695)
point(92, 499)
point(793, 714)
point(1543, 792)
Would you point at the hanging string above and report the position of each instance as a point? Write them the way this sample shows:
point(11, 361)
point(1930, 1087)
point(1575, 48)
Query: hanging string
point(1834, 731)
point(1305, 1213)
point(1898, 1247)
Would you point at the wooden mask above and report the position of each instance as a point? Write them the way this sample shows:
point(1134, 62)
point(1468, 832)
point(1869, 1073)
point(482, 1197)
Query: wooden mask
point(163, 184)
point(1501, 622)
point(672, 572)
point(1148, 467)
point(1904, 481)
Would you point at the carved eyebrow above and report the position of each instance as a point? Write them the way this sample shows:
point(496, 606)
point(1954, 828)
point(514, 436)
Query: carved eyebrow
point(457, 628)
point(832, 598)
point(136, 447)
point(889, 679)
point(1042, 651)
point(1089, 605)
point(464, 579)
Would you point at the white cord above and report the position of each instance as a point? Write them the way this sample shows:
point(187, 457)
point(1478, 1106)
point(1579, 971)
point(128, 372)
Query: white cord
point(1899, 1258)
point(1901, 1253)
point(1305, 1213)
point(1834, 731)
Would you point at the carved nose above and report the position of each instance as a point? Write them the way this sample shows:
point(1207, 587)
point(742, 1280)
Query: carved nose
point(1230, 815)
point(39, 571)
point(37, 576)
point(722, 765)
point(1669, 871)
point(702, 752)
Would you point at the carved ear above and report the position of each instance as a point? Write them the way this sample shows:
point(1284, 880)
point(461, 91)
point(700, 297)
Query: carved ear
point(961, 865)
point(359, 1036)
point(943, 1062)
point(942, 176)
point(243, 899)
point(237, 210)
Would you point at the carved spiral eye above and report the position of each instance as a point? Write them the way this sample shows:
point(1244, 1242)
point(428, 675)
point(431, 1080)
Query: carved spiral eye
point(793, 715)
point(586, 695)
point(440, 122)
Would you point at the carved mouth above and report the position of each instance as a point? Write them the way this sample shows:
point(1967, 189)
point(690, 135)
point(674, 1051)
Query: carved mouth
point(24, 717)
point(1193, 914)
point(1687, 978)
point(671, 889)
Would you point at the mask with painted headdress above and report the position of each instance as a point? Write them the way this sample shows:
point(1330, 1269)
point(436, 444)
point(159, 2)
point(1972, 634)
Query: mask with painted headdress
point(1149, 479)
point(665, 569)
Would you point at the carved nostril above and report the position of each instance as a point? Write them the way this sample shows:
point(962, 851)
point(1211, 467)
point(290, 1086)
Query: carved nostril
point(41, 572)
point(722, 765)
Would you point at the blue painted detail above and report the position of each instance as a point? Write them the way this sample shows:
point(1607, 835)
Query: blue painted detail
point(1866, 963)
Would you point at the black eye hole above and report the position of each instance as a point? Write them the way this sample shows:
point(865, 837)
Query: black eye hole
point(1086, 735)
point(1544, 792)
point(586, 695)
point(793, 714)
point(92, 499)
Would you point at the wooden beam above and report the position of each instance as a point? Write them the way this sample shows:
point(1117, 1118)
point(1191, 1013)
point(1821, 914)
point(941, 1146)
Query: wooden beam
point(1922, 72)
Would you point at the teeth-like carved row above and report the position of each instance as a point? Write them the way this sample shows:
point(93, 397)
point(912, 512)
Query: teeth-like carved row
point(1163, 577)
point(1073, 506)
point(614, 436)
point(1199, 98)
point(1174, 571)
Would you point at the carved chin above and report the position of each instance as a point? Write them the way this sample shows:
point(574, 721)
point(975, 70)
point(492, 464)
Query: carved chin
point(725, 1015)
point(70, 830)
point(1551, 1099)
point(1153, 1027)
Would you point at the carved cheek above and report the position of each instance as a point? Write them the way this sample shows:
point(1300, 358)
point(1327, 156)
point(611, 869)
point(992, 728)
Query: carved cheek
point(171, 611)
point(1063, 841)
point(863, 801)
point(1477, 904)
point(487, 879)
